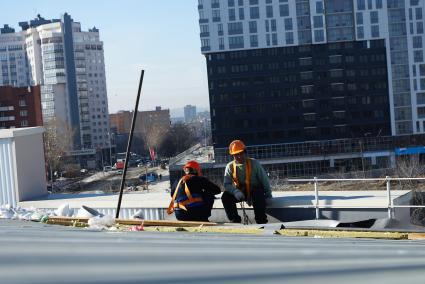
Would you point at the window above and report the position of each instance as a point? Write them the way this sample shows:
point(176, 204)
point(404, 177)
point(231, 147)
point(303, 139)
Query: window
point(335, 59)
point(241, 14)
point(418, 13)
point(306, 75)
point(274, 39)
point(307, 61)
point(361, 5)
point(422, 69)
point(417, 42)
point(319, 35)
point(360, 32)
point(254, 40)
point(418, 56)
point(309, 116)
point(306, 90)
point(269, 11)
point(319, 7)
point(284, 10)
point(22, 103)
point(254, 12)
point(421, 112)
point(23, 113)
point(288, 24)
point(420, 98)
point(235, 28)
point(335, 73)
point(216, 15)
point(289, 38)
point(359, 17)
point(24, 123)
point(378, 4)
point(338, 87)
point(236, 42)
point(252, 26)
point(308, 103)
point(375, 31)
point(374, 17)
point(318, 21)
point(419, 27)
point(232, 15)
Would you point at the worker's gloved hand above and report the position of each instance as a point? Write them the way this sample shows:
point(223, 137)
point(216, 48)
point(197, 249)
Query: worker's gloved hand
point(239, 195)
point(269, 201)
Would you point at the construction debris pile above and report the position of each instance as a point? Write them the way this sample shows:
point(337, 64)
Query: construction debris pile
point(95, 220)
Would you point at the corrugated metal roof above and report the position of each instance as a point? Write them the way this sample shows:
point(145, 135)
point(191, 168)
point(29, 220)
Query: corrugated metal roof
point(7, 182)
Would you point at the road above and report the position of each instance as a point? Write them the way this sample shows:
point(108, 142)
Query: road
point(38, 253)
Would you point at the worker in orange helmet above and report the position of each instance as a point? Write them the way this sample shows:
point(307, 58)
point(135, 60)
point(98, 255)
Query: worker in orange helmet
point(245, 180)
point(192, 197)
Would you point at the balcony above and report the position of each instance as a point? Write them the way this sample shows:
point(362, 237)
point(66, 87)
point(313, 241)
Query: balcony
point(205, 34)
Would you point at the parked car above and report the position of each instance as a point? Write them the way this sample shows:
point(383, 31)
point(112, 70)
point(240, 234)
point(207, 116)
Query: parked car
point(107, 168)
point(150, 177)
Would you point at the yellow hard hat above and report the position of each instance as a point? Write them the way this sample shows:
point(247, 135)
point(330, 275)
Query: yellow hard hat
point(236, 147)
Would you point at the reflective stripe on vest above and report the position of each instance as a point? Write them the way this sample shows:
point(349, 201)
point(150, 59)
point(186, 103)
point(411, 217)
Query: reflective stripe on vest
point(190, 199)
point(248, 170)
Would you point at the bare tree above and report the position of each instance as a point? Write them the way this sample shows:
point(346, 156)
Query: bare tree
point(178, 139)
point(57, 142)
point(154, 136)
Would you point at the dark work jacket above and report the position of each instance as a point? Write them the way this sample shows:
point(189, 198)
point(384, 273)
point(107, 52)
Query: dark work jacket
point(199, 186)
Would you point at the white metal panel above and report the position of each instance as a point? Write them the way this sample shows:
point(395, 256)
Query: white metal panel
point(7, 182)
point(127, 213)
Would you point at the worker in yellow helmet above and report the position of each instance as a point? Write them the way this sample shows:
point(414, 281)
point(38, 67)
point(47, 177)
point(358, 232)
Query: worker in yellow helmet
point(245, 180)
point(192, 197)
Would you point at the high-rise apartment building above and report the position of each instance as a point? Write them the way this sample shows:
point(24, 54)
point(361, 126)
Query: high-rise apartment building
point(68, 64)
point(292, 76)
point(189, 113)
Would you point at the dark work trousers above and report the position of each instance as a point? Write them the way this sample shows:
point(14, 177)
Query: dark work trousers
point(198, 213)
point(258, 202)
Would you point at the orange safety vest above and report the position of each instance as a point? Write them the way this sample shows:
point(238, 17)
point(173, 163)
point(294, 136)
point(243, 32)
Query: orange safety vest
point(190, 199)
point(248, 170)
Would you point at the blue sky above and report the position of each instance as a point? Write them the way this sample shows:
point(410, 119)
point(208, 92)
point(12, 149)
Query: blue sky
point(160, 36)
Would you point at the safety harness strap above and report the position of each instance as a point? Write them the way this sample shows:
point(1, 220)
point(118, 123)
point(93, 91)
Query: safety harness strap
point(248, 170)
point(190, 199)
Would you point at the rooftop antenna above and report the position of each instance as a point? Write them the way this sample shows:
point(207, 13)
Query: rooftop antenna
point(130, 138)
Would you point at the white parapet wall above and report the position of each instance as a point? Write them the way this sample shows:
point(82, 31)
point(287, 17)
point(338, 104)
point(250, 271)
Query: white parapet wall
point(22, 166)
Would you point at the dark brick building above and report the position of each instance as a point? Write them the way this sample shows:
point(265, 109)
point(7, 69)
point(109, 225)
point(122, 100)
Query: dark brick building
point(20, 107)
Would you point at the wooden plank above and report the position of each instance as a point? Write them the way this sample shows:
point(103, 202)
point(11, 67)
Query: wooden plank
point(416, 236)
point(171, 223)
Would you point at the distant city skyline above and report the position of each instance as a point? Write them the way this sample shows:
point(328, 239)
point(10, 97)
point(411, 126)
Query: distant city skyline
point(135, 37)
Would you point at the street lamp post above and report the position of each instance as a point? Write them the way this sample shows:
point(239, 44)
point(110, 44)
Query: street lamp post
point(110, 148)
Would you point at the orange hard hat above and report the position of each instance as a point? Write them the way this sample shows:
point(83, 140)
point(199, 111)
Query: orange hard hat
point(193, 165)
point(236, 147)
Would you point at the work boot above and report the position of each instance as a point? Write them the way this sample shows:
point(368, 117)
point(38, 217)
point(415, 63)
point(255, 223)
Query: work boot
point(262, 221)
point(237, 219)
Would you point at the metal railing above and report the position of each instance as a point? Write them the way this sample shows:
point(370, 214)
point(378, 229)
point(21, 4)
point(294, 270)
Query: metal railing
point(387, 179)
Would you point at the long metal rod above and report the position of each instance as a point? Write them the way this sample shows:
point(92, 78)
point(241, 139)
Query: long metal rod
point(389, 197)
point(316, 198)
point(130, 138)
